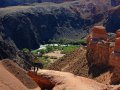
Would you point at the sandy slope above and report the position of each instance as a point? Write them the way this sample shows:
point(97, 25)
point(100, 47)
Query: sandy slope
point(9, 82)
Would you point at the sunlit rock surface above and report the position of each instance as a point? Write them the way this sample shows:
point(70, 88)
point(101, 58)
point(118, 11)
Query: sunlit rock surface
point(62, 80)
point(98, 50)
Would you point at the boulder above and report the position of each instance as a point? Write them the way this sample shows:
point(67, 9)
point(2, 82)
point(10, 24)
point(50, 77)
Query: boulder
point(99, 32)
point(64, 81)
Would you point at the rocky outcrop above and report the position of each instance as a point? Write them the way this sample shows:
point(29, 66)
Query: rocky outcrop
point(99, 60)
point(118, 33)
point(13, 77)
point(8, 50)
point(115, 2)
point(102, 56)
point(98, 51)
point(63, 80)
point(115, 62)
point(112, 22)
point(55, 80)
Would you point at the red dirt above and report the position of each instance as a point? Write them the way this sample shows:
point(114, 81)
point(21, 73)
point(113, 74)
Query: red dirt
point(12, 77)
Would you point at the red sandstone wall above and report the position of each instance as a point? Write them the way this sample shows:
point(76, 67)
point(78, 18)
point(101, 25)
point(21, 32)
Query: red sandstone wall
point(101, 55)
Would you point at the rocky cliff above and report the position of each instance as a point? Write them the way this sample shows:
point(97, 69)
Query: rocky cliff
point(113, 21)
point(28, 26)
point(8, 50)
point(115, 62)
point(103, 55)
point(4, 3)
point(98, 51)
point(99, 60)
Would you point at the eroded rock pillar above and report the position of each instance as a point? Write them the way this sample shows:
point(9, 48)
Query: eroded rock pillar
point(115, 62)
point(98, 51)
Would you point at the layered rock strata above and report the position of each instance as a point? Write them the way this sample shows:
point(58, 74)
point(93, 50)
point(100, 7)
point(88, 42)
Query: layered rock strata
point(98, 51)
point(103, 55)
point(115, 62)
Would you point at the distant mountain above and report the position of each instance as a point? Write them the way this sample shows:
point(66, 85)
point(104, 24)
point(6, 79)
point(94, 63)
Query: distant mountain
point(113, 20)
point(29, 26)
point(16, 2)
point(115, 2)
point(4, 3)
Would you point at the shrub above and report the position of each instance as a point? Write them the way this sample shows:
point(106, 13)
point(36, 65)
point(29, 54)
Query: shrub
point(69, 49)
point(25, 50)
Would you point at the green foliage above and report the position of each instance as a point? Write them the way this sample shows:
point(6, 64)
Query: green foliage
point(45, 60)
point(69, 49)
point(34, 52)
point(50, 48)
point(25, 50)
point(43, 51)
point(82, 41)
point(68, 41)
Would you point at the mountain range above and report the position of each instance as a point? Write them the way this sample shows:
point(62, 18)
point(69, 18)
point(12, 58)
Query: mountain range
point(4, 3)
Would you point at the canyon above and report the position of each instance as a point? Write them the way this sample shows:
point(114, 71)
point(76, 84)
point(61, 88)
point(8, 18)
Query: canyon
point(97, 66)
point(39, 23)
point(98, 61)
point(94, 66)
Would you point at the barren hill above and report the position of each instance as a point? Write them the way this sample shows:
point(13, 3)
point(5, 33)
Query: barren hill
point(12, 77)
point(74, 62)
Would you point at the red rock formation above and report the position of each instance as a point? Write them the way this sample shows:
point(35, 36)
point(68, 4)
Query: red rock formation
point(115, 62)
point(42, 81)
point(65, 81)
point(101, 55)
point(118, 33)
point(99, 32)
point(117, 45)
point(98, 50)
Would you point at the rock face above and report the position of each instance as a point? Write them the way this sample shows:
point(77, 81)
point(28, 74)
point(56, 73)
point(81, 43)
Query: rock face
point(112, 24)
point(99, 60)
point(35, 24)
point(4, 3)
point(115, 62)
point(118, 33)
point(8, 50)
point(99, 32)
point(115, 2)
point(15, 78)
point(55, 80)
point(101, 56)
point(98, 51)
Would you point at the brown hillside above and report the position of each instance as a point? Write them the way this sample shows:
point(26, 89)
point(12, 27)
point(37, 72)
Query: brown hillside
point(12, 77)
point(74, 62)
